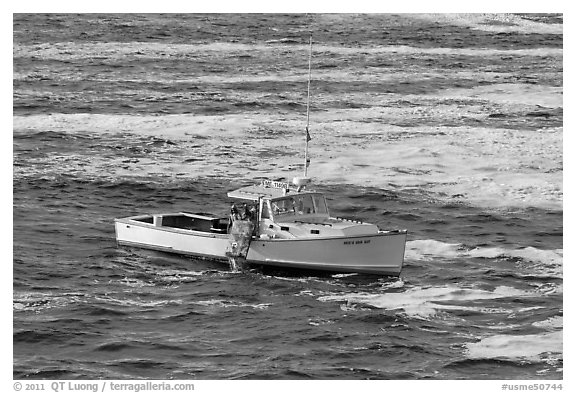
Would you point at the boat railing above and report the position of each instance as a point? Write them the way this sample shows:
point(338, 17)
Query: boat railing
point(315, 223)
point(349, 220)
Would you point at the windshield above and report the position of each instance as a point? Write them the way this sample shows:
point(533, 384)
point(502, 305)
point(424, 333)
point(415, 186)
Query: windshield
point(299, 205)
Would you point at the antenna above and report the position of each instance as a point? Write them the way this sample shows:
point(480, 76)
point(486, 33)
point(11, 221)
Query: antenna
point(306, 162)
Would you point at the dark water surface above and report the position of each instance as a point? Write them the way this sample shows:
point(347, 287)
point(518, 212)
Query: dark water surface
point(480, 296)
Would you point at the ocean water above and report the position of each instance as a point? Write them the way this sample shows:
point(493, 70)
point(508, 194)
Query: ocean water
point(449, 126)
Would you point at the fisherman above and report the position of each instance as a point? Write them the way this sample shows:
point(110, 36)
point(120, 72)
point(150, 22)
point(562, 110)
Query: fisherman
point(243, 212)
point(253, 213)
point(241, 228)
point(234, 213)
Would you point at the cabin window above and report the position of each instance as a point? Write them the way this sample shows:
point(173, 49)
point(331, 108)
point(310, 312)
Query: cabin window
point(303, 204)
point(283, 206)
point(265, 210)
point(147, 220)
point(320, 204)
point(299, 205)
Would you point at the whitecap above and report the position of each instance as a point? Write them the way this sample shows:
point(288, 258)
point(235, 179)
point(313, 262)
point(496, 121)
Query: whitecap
point(137, 303)
point(132, 282)
point(343, 275)
point(546, 257)
point(552, 323)
point(532, 347)
point(120, 50)
point(425, 302)
point(535, 261)
point(38, 301)
point(427, 249)
point(229, 303)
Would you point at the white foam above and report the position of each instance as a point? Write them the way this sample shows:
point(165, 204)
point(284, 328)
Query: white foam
point(179, 127)
point(319, 321)
point(228, 303)
point(486, 167)
point(424, 302)
point(495, 23)
point(393, 284)
point(518, 94)
point(429, 249)
point(546, 257)
point(136, 303)
point(552, 323)
point(531, 261)
point(343, 275)
point(177, 276)
point(536, 262)
point(146, 50)
point(531, 347)
point(37, 301)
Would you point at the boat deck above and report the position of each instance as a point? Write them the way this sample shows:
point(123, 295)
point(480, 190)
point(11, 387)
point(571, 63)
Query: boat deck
point(185, 220)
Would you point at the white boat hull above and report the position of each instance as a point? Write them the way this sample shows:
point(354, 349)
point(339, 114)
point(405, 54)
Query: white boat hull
point(380, 253)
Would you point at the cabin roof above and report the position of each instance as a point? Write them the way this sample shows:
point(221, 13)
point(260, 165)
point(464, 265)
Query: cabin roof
point(252, 193)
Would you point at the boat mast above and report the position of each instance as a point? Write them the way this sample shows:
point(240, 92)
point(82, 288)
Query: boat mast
point(306, 161)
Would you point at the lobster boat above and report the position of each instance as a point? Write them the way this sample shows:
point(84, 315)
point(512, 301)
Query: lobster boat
point(276, 224)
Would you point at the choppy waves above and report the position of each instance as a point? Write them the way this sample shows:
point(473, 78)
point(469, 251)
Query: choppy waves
point(450, 126)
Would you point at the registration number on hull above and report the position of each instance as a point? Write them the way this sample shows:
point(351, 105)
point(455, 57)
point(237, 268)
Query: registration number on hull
point(352, 242)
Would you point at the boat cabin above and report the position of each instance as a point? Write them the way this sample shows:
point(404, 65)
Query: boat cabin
point(277, 202)
point(285, 212)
